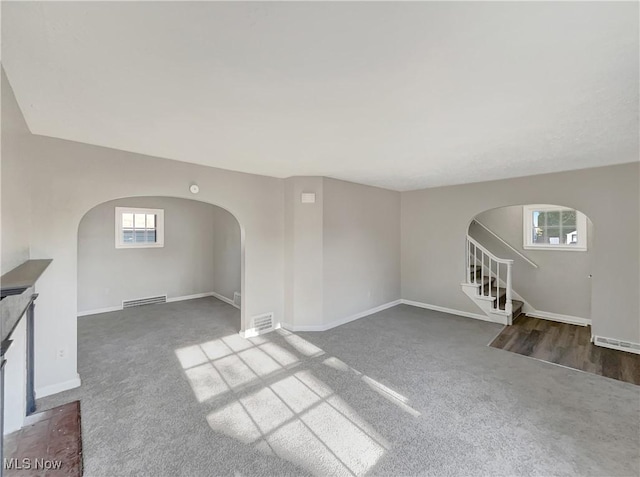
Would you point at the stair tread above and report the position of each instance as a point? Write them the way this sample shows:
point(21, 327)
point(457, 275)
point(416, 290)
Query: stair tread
point(517, 308)
point(483, 281)
point(495, 292)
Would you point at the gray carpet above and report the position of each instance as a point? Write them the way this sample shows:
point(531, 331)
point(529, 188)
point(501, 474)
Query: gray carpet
point(173, 390)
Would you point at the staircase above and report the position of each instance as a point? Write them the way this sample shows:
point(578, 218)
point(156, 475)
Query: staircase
point(488, 283)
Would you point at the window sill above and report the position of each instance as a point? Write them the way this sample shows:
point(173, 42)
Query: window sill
point(159, 245)
point(556, 248)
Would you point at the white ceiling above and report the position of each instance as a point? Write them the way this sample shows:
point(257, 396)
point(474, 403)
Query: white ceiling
point(399, 95)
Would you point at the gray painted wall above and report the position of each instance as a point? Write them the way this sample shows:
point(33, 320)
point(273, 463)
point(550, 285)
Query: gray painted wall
point(226, 253)
point(15, 197)
point(303, 249)
point(15, 204)
point(184, 266)
point(361, 248)
point(342, 252)
point(70, 178)
point(435, 223)
point(560, 284)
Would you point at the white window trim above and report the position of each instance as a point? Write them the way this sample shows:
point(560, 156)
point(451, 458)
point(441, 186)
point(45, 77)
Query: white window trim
point(159, 213)
point(527, 229)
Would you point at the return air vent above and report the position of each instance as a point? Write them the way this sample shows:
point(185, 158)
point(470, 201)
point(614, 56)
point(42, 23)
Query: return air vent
point(263, 323)
point(617, 344)
point(152, 300)
point(237, 299)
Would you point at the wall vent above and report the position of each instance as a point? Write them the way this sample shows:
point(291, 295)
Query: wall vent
point(152, 300)
point(237, 299)
point(262, 323)
point(617, 344)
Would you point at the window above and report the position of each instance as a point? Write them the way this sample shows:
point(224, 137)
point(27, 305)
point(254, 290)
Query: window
point(139, 228)
point(552, 227)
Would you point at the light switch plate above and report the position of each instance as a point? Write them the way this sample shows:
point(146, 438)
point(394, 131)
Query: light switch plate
point(308, 198)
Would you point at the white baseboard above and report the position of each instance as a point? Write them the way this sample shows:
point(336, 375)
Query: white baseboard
point(290, 327)
point(572, 320)
point(613, 343)
point(545, 315)
point(169, 300)
point(333, 324)
point(97, 311)
point(58, 387)
point(362, 314)
point(340, 321)
point(224, 299)
point(189, 297)
point(451, 311)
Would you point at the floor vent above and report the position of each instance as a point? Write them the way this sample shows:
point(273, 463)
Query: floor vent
point(237, 299)
point(617, 344)
point(152, 300)
point(263, 323)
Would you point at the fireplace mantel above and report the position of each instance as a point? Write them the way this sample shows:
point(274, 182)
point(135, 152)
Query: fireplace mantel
point(16, 294)
point(17, 300)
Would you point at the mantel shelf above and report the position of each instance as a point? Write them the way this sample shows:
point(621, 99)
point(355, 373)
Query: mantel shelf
point(17, 295)
point(25, 275)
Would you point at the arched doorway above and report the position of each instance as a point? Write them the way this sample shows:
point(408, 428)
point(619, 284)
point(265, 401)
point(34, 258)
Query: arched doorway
point(143, 250)
point(551, 250)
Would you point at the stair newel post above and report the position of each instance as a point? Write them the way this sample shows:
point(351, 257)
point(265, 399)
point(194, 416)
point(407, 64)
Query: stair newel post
point(508, 307)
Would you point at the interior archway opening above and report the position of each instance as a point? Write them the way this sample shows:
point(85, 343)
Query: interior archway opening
point(183, 254)
point(551, 249)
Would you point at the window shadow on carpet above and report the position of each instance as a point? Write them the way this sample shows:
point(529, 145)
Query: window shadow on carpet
point(263, 392)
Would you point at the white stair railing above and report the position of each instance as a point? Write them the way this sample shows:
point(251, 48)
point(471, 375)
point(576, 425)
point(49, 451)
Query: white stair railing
point(482, 268)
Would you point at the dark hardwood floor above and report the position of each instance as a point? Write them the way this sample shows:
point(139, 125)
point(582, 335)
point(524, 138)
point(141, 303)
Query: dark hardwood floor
point(568, 345)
